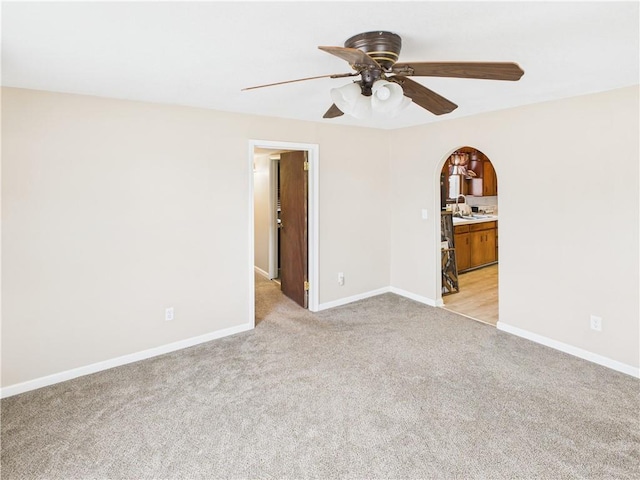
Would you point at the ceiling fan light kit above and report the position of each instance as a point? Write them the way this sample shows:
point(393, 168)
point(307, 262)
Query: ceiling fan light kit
point(384, 88)
point(386, 98)
point(350, 100)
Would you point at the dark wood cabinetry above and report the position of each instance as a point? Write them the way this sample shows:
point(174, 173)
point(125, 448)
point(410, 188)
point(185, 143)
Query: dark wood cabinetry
point(489, 180)
point(463, 247)
point(485, 182)
point(476, 245)
point(483, 249)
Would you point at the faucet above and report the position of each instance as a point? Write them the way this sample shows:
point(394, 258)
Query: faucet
point(457, 212)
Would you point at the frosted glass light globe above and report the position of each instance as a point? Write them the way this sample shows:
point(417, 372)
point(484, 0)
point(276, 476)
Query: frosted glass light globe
point(383, 93)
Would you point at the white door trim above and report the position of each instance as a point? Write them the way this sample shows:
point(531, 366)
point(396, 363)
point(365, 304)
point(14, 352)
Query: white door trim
point(313, 152)
point(273, 218)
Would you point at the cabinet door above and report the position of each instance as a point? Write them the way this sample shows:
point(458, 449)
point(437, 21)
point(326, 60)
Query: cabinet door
point(489, 180)
point(490, 245)
point(463, 251)
point(483, 247)
point(477, 252)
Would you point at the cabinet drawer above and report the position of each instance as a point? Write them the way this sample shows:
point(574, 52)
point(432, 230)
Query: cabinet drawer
point(461, 229)
point(481, 226)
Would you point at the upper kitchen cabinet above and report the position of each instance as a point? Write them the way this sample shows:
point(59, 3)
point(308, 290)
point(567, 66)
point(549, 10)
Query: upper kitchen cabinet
point(476, 175)
point(489, 180)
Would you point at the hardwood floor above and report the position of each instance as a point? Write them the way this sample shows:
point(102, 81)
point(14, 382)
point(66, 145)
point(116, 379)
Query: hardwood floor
point(478, 295)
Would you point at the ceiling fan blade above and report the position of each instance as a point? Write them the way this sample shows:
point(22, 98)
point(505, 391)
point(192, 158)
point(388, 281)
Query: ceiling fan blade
point(485, 70)
point(333, 112)
point(334, 75)
point(354, 56)
point(421, 95)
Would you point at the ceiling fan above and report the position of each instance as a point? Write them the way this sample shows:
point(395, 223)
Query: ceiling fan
point(384, 84)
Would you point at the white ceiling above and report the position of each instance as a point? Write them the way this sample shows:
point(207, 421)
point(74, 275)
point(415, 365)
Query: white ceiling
point(202, 53)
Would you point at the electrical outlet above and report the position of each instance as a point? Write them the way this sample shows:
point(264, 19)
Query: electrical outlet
point(168, 314)
point(340, 278)
point(596, 323)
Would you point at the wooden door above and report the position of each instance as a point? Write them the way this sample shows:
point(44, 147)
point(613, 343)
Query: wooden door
point(293, 232)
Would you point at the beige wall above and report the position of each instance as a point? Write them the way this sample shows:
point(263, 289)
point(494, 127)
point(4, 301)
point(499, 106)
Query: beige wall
point(568, 176)
point(354, 166)
point(114, 210)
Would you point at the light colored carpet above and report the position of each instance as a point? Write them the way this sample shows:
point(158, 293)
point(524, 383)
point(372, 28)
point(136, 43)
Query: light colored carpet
point(381, 388)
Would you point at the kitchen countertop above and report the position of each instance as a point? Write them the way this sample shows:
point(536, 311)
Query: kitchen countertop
point(480, 218)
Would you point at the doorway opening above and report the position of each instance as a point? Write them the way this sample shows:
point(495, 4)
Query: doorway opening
point(469, 235)
point(284, 219)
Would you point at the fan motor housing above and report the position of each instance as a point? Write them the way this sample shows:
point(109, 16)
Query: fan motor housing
point(383, 47)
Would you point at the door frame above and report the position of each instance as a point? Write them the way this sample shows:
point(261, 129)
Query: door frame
point(439, 302)
point(313, 155)
point(273, 216)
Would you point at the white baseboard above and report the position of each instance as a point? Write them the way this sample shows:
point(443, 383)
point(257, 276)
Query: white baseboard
point(259, 271)
point(379, 291)
point(353, 298)
point(418, 298)
point(571, 350)
point(118, 361)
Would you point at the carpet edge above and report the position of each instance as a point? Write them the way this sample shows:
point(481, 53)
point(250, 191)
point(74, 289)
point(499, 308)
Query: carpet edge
point(63, 376)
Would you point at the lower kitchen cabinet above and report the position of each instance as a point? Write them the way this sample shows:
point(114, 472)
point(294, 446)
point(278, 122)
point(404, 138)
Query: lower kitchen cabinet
point(483, 247)
point(463, 250)
point(475, 245)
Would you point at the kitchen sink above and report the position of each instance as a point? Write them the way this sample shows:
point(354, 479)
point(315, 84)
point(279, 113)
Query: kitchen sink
point(473, 217)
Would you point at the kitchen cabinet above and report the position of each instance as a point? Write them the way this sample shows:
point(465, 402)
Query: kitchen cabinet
point(483, 247)
point(476, 245)
point(463, 247)
point(483, 184)
point(489, 180)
